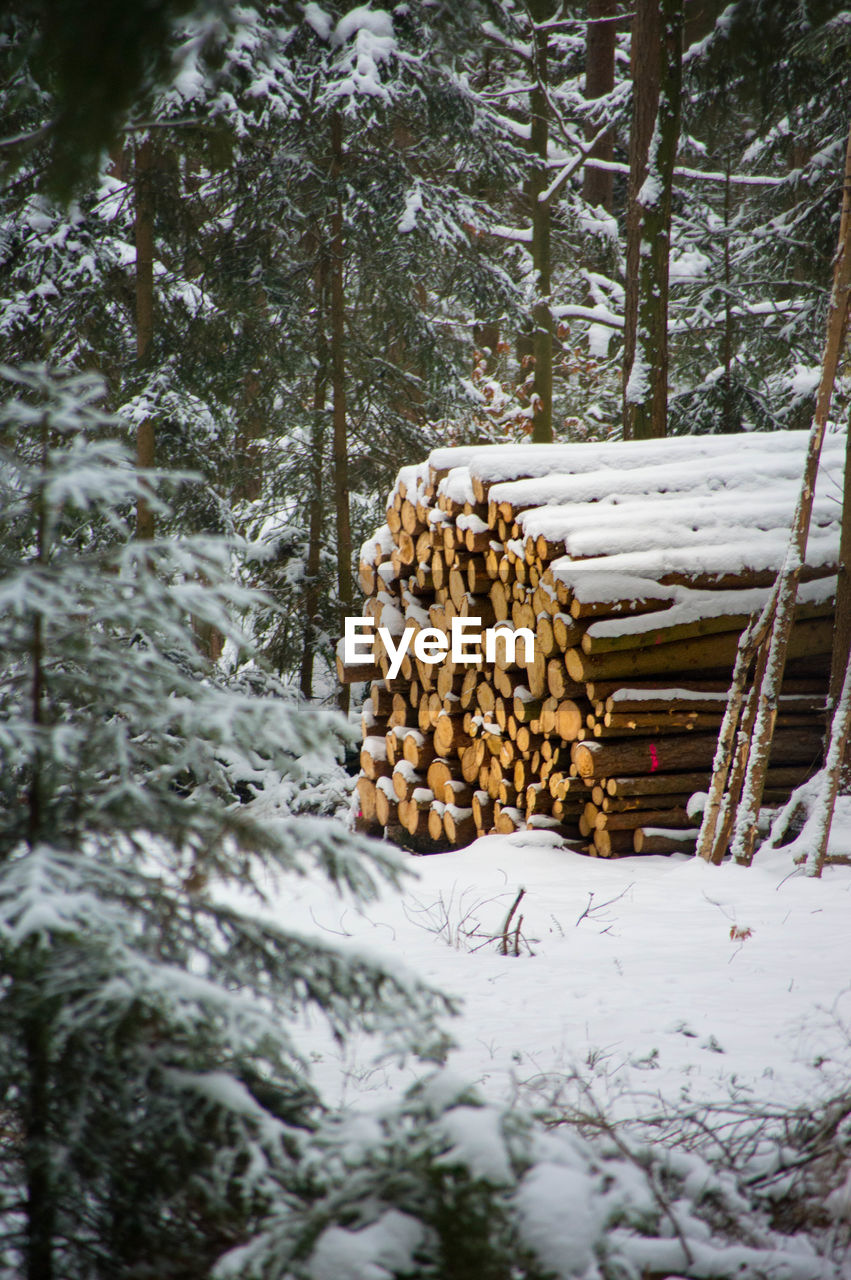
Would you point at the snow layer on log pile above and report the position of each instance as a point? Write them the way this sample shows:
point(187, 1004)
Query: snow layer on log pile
point(502, 462)
point(640, 475)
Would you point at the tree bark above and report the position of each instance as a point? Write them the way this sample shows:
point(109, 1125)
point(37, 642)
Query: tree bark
point(645, 72)
point(317, 450)
point(598, 184)
point(40, 1209)
point(842, 630)
point(542, 342)
point(746, 830)
point(646, 390)
point(338, 390)
point(144, 226)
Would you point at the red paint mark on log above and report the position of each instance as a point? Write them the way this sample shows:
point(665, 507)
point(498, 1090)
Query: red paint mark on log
point(654, 759)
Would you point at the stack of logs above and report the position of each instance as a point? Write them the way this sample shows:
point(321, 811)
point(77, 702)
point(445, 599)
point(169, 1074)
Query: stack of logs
point(611, 728)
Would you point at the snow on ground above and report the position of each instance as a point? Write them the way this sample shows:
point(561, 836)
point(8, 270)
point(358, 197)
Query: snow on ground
point(651, 977)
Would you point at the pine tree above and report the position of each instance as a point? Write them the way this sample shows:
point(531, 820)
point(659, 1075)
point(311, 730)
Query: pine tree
point(150, 1080)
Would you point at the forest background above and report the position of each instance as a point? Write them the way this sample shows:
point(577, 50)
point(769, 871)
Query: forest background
point(333, 240)
point(252, 259)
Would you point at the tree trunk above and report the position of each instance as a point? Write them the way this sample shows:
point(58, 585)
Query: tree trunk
point(645, 70)
point(730, 420)
point(646, 391)
point(746, 831)
point(842, 630)
point(35, 798)
point(40, 1210)
point(317, 450)
point(338, 389)
point(144, 167)
point(542, 343)
point(598, 184)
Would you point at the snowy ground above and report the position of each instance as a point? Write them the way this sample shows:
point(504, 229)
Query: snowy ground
point(652, 978)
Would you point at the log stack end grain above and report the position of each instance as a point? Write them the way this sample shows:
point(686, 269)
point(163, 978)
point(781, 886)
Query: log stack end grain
point(634, 593)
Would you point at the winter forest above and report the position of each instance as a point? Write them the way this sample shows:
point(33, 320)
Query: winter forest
point(254, 259)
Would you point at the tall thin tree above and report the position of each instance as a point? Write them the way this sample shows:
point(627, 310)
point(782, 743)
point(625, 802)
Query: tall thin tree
point(598, 184)
point(649, 225)
point(145, 161)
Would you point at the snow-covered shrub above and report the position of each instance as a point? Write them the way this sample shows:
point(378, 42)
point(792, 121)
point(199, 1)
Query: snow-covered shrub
point(444, 1186)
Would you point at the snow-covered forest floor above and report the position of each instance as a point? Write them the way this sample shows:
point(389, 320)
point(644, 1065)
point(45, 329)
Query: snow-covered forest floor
point(639, 981)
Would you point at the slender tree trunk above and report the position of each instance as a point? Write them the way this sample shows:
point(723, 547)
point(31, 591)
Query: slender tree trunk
point(35, 798)
point(730, 421)
point(145, 161)
point(338, 390)
point(746, 832)
point(542, 343)
point(646, 392)
point(645, 70)
point(40, 1207)
point(144, 227)
point(317, 450)
point(598, 184)
point(842, 630)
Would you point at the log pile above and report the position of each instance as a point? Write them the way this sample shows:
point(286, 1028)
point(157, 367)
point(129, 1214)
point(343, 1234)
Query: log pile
point(635, 566)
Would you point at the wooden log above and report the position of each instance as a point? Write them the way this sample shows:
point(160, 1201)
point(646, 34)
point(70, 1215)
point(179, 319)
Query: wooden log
point(482, 806)
point(525, 707)
point(386, 805)
point(373, 758)
point(630, 804)
point(682, 700)
point(613, 844)
point(356, 673)
point(629, 608)
point(536, 675)
point(438, 772)
point(500, 599)
point(782, 777)
point(459, 825)
point(485, 698)
point(410, 521)
point(366, 797)
point(662, 841)
point(668, 633)
point(479, 579)
point(435, 820)
point(629, 821)
point(566, 632)
point(509, 820)
point(569, 719)
point(680, 753)
point(424, 718)
point(418, 749)
point(401, 713)
point(813, 637)
point(614, 725)
point(450, 679)
point(523, 615)
point(406, 780)
point(413, 813)
point(472, 759)
point(538, 799)
point(457, 792)
point(394, 519)
point(366, 578)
